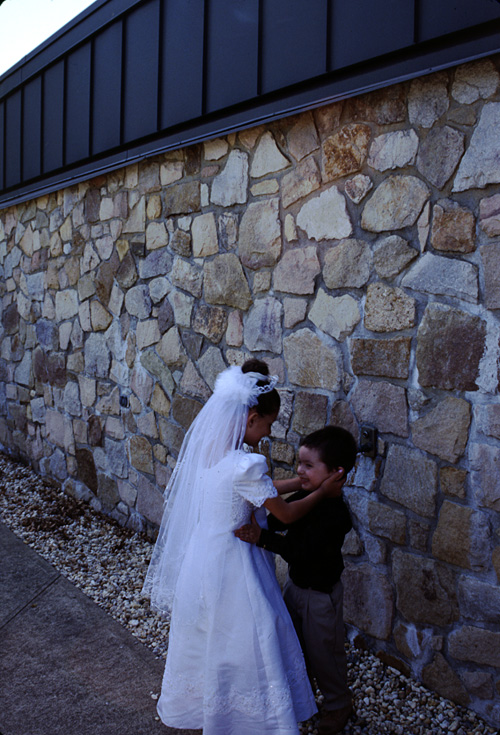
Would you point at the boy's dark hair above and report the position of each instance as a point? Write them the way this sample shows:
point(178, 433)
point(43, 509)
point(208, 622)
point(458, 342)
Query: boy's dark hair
point(268, 403)
point(336, 447)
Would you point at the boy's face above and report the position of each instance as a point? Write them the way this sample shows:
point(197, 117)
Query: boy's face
point(311, 470)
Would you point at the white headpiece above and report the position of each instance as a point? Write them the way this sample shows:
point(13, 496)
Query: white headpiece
point(219, 427)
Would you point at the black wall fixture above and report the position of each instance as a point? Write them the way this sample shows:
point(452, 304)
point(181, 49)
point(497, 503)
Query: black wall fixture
point(131, 78)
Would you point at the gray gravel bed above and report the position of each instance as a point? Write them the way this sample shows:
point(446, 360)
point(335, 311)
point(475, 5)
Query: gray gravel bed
point(108, 563)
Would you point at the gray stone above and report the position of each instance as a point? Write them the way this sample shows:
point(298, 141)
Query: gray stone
point(382, 405)
point(476, 645)
point(348, 264)
point(440, 677)
point(187, 276)
point(443, 277)
point(138, 302)
point(430, 598)
point(489, 215)
point(325, 217)
point(475, 81)
point(259, 242)
point(141, 454)
point(157, 263)
point(428, 99)
point(297, 270)
point(193, 385)
point(368, 600)
point(97, 356)
point(182, 198)
point(410, 479)
point(150, 502)
point(439, 154)
point(72, 403)
point(393, 150)
point(262, 329)
point(479, 601)
point(441, 336)
point(230, 186)
point(225, 282)
point(378, 518)
point(479, 166)
point(453, 228)
point(383, 107)
point(358, 187)
point(312, 363)
point(395, 203)
point(444, 430)
point(388, 309)
point(462, 537)
point(337, 316)
point(302, 137)
point(490, 256)
point(485, 465)
point(180, 243)
point(309, 412)
point(210, 364)
point(171, 350)
point(153, 364)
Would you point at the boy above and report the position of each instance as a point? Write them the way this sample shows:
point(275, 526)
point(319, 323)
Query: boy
point(312, 548)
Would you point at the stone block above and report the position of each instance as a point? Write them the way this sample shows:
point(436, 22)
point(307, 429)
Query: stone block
point(160, 405)
point(267, 157)
point(296, 271)
point(348, 264)
point(489, 215)
point(382, 405)
point(182, 198)
point(396, 203)
point(389, 358)
point(230, 186)
point(358, 187)
point(225, 282)
point(490, 256)
point(141, 454)
point(453, 228)
point(262, 330)
point(211, 321)
point(310, 362)
point(444, 277)
point(444, 430)
point(441, 337)
point(187, 276)
point(383, 107)
point(430, 599)
point(474, 81)
point(193, 385)
point(150, 501)
point(309, 412)
point(393, 150)
point(410, 479)
point(344, 152)
point(300, 182)
point(259, 243)
point(479, 601)
point(325, 217)
point(388, 309)
point(185, 410)
point(440, 677)
point(485, 466)
point(452, 481)
point(439, 154)
point(204, 236)
point(428, 99)
point(368, 600)
point(86, 469)
point(475, 645)
point(479, 166)
point(337, 316)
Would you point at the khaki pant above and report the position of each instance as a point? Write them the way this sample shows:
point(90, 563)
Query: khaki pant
point(319, 621)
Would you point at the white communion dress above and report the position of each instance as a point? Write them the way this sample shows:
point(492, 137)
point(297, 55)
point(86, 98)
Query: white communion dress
point(234, 664)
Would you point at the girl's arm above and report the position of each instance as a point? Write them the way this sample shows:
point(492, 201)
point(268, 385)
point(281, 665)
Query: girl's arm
point(291, 485)
point(290, 512)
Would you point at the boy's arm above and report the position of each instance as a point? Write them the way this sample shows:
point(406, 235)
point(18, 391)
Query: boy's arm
point(252, 533)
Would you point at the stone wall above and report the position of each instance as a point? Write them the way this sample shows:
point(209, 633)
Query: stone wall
point(356, 248)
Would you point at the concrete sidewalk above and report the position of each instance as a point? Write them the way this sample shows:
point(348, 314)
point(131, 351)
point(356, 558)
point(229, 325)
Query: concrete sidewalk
point(66, 666)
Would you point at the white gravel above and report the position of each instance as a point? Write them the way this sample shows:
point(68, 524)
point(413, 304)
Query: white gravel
point(108, 563)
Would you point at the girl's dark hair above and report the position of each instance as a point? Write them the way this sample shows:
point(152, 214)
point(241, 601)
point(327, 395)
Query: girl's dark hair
point(268, 403)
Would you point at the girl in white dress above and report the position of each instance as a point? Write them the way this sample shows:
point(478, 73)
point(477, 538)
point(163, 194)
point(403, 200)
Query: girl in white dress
point(234, 664)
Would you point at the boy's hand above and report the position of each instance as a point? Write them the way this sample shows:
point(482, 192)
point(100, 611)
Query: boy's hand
point(250, 532)
point(332, 486)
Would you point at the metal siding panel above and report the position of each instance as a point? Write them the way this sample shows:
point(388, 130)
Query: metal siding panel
point(182, 61)
point(53, 117)
point(78, 104)
point(438, 17)
point(294, 41)
point(13, 140)
point(140, 104)
point(32, 129)
point(106, 89)
point(365, 29)
point(231, 56)
point(2, 149)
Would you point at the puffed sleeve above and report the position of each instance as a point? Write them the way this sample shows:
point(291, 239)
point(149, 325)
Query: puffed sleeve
point(251, 480)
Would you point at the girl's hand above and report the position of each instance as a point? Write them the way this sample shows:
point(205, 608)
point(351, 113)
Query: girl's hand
point(250, 532)
point(331, 487)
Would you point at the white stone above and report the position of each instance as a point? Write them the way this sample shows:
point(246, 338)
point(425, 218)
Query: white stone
point(116, 300)
point(396, 203)
point(263, 326)
point(215, 149)
point(290, 229)
point(337, 316)
point(358, 187)
point(297, 270)
point(267, 158)
point(393, 150)
point(90, 259)
point(182, 304)
point(147, 333)
point(156, 236)
point(230, 186)
point(158, 289)
point(204, 234)
point(66, 304)
point(170, 172)
point(325, 217)
point(481, 163)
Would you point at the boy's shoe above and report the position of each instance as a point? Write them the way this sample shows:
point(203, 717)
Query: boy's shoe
point(334, 720)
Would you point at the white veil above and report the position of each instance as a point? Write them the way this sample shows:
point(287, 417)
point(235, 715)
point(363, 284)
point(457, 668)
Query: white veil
point(219, 427)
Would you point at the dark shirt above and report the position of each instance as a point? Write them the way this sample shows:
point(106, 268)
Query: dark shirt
point(312, 545)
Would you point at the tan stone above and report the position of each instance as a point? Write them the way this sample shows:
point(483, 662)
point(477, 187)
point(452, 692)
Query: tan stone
point(382, 405)
point(147, 333)
point(295, 311)
point(187, 276)
point(234, 332)
point(300, 182)
point(302, 137)
point(159, 401)
point(260, 235)
point(348, 264)
point(388, 309)
point(141, 455)
point(444, 430)
point(296, 271)
point(389, 358)
point(262, 188)
point(156, 236)
point(396, 203)
point(225, 282)
point(211, 321)
point(215, 149)
point(476, 645)
point(204, 234)
point(452, 541)
point(170, 349)
point(99, 316)
point(327, 118)
point(310, 362)
point(391, 255)
point(261, 281)
point(453, 228)
point(345, 151)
